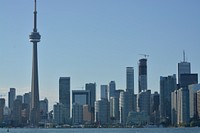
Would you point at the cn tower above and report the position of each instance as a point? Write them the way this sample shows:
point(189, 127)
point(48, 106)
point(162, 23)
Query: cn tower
point(34, 37)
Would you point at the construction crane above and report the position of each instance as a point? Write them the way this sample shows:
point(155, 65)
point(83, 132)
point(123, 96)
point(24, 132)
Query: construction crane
point(145, 55)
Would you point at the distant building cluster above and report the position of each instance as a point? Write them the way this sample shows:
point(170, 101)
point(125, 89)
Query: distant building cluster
point(178, 103)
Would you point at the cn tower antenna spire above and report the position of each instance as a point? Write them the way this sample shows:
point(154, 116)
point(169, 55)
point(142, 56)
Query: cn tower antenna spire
point(35, 17)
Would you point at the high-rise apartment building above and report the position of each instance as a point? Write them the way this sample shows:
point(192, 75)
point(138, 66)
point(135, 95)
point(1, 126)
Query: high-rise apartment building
point(167, 85)
point(142, 75)
point(64, 97)
point(130, 78)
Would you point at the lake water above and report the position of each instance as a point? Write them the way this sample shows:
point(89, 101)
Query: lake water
point(104, 130)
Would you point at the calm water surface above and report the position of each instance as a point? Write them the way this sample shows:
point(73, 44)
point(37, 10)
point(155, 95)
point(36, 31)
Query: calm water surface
point(105, 130)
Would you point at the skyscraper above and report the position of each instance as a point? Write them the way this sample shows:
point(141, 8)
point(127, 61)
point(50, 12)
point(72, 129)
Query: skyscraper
point(92, 88)
point(102, 111)
point(130, 78)
point(142, 75)
point(183, 68)
point(167, 86)
point(104, 92)
point(64, 96)
point(11, 98)
point(112, 88)
point(34, 37)
point(2, 105)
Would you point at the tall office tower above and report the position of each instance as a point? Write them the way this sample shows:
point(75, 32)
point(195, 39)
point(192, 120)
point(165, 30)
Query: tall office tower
point(44, 110)
point(2, 105)
point(183, 113)
point(58, 113)
point(102, 111)
point(130, 78)
point(183, 68)
point(64, 96)
point(104, 92)
point(11, 98)
point(77, 114)
point(143, 104)
point(35, 38)
point(167, 85)
point(112, 88)
point(92, 88)
point(193, 89)
point(17, 113)
point(142, 75)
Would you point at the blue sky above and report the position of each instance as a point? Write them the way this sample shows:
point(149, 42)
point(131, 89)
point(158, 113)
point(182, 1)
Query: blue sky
point(95, 40)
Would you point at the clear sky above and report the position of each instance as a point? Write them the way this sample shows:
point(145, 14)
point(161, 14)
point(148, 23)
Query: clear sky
point(95, 40)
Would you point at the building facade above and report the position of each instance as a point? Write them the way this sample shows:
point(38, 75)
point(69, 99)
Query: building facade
point(142, 78)
point(112, 89)
point(11, 98)
point(167, 85)
point(130, 78)
point(104, 92)
point(64, 97)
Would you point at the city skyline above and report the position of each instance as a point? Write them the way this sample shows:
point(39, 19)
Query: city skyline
point(95, 41)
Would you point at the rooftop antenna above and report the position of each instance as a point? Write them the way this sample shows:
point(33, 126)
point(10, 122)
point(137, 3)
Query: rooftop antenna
point(183, 55)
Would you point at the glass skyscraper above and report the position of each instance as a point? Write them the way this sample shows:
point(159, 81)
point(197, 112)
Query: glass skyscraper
point(130, 78)
point(142, 75)
point(64, 97)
